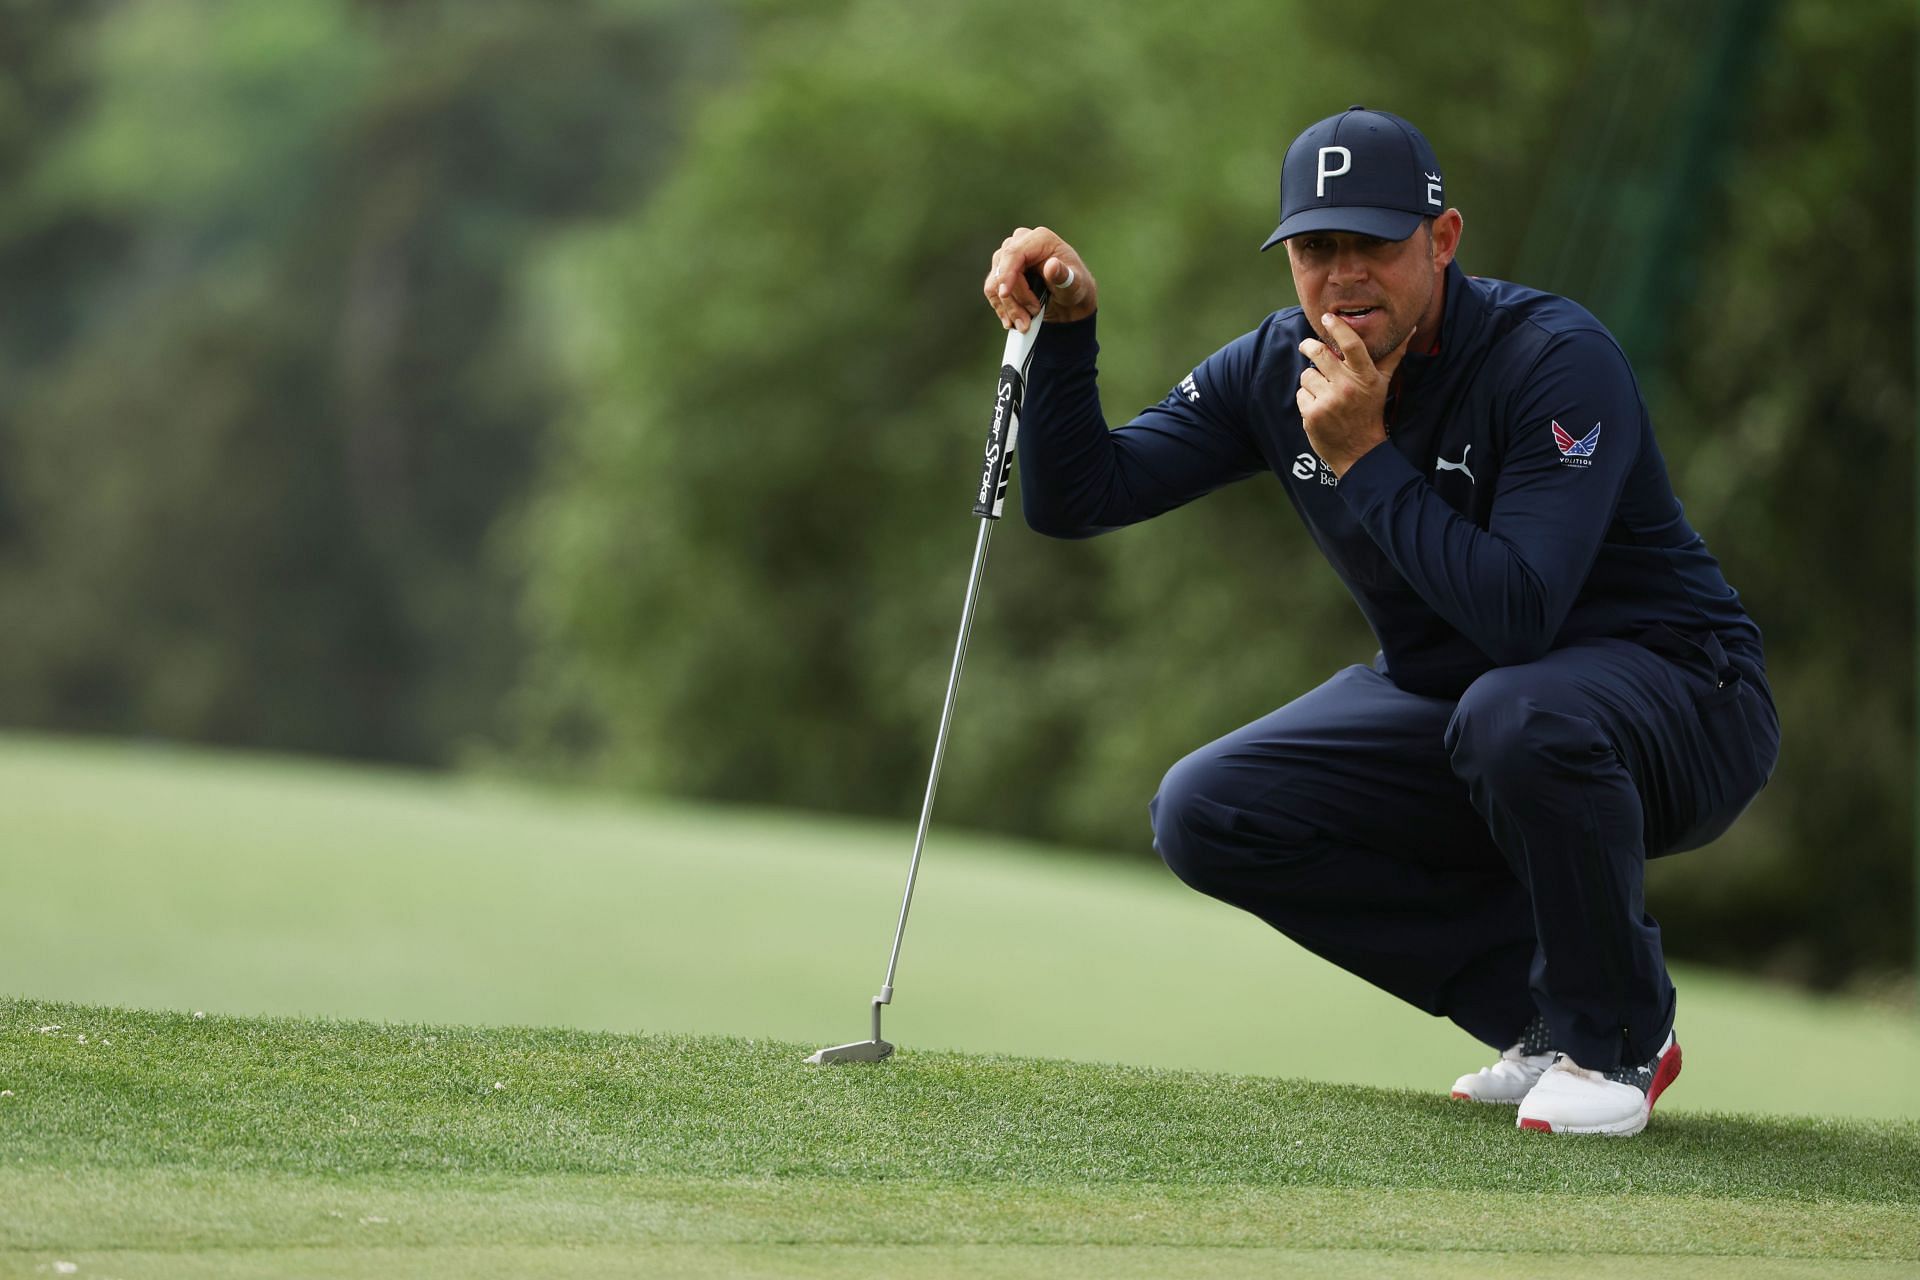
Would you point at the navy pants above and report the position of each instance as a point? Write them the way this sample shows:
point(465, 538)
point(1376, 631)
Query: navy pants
point(1483, 859)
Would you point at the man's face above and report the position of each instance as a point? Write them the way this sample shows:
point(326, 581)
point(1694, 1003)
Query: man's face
point(1383, 288)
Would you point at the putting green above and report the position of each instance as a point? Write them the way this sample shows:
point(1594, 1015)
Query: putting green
point(975, 1262)
point(145, 1144)
point(166, 878)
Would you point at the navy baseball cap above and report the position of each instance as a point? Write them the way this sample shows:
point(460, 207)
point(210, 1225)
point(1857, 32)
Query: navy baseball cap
point(1362, 171)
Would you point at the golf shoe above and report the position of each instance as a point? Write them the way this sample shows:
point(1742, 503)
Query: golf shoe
point(1509, 1079)
point(1569, 1098)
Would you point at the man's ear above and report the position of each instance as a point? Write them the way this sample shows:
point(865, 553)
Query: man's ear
point(1446, 232)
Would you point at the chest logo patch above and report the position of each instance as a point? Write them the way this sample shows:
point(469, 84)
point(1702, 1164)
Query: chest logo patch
point(1576, 453)
point(1441, 464)
point(1308, 465)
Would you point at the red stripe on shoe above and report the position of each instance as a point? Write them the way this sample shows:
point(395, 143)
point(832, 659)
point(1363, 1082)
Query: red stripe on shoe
point(1665, 1074)
point(1541, 1125)
point(1466, 1097)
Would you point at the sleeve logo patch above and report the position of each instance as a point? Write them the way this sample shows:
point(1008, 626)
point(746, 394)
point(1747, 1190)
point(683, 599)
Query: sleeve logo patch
point(1190, 389)
point(1576, 453)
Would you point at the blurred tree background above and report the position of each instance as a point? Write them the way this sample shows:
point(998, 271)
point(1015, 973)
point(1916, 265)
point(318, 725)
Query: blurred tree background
point(269, 383)
point(595, 389)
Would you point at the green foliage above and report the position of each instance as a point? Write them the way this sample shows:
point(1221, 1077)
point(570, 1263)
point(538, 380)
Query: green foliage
point(43, 256)
point(747, 558)
point(251, 492)
point(1790, 381)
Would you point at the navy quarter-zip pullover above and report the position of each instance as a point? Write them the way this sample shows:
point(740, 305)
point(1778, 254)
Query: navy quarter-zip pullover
point(1520, 503)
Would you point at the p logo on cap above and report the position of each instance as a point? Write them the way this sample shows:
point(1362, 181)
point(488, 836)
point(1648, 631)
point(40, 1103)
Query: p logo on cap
point(1388, 178)
point(1346, 166)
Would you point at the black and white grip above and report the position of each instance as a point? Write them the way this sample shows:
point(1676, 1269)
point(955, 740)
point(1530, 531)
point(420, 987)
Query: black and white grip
point(1003, 432)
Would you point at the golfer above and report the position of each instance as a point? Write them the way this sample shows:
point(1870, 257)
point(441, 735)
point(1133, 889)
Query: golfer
point(1566, 685)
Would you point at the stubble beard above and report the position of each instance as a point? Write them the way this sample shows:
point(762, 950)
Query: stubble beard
point(1388, 344)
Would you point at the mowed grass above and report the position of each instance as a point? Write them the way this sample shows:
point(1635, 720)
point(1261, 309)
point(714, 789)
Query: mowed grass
point(171, 879)
point(164, 1145)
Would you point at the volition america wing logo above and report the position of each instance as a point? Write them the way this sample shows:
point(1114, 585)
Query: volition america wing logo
point(1576, 453)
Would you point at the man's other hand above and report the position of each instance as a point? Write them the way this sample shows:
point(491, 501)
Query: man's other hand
point(1343, 394)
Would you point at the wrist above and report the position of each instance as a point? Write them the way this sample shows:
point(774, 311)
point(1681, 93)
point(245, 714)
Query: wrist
point(1352, 457)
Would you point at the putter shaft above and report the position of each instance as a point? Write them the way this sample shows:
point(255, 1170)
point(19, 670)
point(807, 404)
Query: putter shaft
point(939, 755)
point(877, 1048)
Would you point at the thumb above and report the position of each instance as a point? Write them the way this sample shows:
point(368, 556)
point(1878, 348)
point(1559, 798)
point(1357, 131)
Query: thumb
point(1060, 276)
point(1391, 361)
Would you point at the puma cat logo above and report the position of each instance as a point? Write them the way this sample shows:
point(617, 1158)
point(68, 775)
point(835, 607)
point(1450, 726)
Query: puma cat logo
point(1441, 464)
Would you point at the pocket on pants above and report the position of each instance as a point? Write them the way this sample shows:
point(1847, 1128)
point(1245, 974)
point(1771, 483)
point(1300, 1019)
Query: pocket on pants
point(1740, 741)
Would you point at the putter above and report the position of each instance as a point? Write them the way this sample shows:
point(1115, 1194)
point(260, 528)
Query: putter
point(992, 496)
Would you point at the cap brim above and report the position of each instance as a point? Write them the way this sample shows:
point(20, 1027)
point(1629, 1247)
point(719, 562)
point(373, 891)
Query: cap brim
point(1363, 220)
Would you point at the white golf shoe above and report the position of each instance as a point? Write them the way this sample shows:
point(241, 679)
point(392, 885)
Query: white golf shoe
point(1571, 1099)
point(1520, 1067)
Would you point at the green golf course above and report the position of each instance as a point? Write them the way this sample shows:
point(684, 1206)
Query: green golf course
point(168, 879)
point(1150, 1084)
point(165, 1145)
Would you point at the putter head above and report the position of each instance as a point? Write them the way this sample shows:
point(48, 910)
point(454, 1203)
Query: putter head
point(858, 1051)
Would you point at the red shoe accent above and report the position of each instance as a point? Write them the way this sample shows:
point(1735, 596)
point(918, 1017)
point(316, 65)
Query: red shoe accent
point(1541, 1125)
point(1664, 1074)
point(1465, 1097)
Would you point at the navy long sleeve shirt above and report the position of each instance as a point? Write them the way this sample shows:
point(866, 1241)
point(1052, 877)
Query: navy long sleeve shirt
point(1519, 504)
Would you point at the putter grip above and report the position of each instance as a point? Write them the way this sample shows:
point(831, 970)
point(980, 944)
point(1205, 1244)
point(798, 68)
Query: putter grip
point(1004, 431)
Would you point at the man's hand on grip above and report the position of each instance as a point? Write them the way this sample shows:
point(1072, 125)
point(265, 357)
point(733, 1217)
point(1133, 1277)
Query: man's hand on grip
point(1073, 292)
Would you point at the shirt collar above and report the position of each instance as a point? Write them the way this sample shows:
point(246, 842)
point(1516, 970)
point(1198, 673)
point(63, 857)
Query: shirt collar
point(1460, 314)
